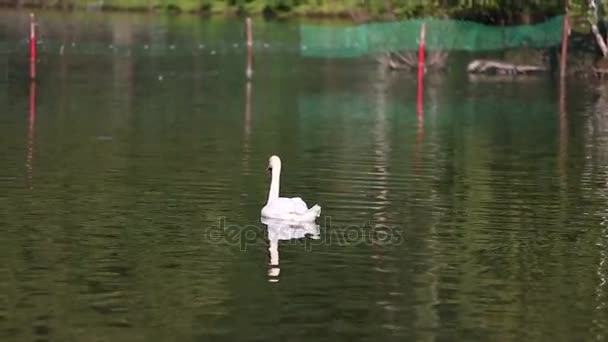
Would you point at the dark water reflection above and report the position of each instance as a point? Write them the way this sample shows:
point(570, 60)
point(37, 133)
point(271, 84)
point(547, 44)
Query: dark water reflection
point(130, 205)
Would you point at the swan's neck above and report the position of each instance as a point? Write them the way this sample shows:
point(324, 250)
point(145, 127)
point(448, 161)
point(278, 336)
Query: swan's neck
point(274, 184)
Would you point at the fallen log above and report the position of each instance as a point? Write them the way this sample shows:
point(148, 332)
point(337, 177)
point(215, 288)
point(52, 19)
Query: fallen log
point(483, 78)
point(483, 66)
point(600, 73)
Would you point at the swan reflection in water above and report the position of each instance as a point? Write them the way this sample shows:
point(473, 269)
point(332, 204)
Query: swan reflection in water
point(285, 230)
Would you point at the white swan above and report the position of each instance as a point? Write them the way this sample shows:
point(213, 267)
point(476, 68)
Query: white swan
point(283, 208)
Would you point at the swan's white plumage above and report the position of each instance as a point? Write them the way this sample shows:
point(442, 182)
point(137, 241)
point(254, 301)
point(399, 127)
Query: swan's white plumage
point(283, 208)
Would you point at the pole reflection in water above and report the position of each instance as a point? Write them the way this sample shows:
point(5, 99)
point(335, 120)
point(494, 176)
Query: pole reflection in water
point(247, 127)
point(381, 144)
point(595, 154)
point(281, 230)
point(30, 133)
point(382, 262)
point(247, 112)
point(420, 122)
point(563, 129)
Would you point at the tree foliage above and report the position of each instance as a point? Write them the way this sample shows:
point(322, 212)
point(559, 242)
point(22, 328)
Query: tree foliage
point(488, 11)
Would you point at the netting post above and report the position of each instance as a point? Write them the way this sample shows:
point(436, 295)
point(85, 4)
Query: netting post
point(565, 33)
point(249, 71)
point(32, 47)
point(421, 67)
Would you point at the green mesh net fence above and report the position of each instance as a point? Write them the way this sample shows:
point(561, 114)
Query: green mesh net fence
point(441, 34)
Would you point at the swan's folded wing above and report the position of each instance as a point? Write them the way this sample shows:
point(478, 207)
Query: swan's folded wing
point(287, 206)
point(298, 205)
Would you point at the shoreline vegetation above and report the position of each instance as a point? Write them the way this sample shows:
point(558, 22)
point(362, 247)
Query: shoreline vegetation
point(492, 12)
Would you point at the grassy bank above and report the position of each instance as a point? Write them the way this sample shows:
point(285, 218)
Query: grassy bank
point(501, 12)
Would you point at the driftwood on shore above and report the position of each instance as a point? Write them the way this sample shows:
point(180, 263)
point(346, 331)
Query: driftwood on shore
point(483, 66)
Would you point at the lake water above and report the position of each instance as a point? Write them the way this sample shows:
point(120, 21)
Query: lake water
point(134, 170)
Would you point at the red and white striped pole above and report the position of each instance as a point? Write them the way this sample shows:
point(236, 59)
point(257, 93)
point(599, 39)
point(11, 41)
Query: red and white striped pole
point(565, 33)
point(421, 49)
point(32, 47)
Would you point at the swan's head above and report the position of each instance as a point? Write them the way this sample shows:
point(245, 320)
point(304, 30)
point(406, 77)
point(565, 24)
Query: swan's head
point(274, 163)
